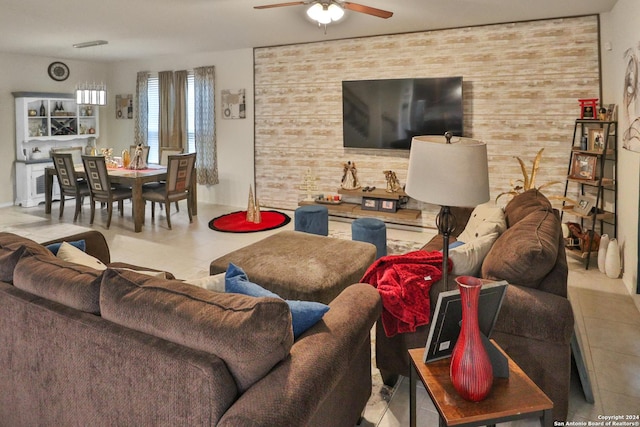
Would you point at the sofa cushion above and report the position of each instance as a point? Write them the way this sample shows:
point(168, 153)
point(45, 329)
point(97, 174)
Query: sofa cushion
point(12, 242)
point(526, 252)
point(525, 203)
point(250, 334)
point(54, 247)
point(71, 253)
point(485, 219)
point(468, 257)
point(213, 283)
point(73, 285)
point(304, 314)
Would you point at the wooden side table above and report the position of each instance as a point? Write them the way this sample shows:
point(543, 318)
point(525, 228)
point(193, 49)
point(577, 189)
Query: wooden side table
point(511, 398)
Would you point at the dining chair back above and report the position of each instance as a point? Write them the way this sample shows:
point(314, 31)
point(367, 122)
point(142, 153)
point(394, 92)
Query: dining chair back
point(178, 186)
point(69, 183)
point(100, 186)
point(76, 153)
point(165, 152)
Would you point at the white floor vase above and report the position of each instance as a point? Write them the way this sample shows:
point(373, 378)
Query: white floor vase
point(612, 261)
point(602, 252)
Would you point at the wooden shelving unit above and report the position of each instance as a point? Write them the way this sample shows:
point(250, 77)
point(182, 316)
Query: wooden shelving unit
point(599, 187)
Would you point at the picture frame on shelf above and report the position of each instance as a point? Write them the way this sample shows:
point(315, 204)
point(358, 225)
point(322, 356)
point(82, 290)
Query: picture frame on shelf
point(612, 113)
point(369, 204)
point(584, 205)
point(596, 139)
point(583, 166)
point(388, 205)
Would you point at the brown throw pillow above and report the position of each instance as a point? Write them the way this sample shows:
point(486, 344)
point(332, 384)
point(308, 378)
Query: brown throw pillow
point(526, 252)
point(73, 285)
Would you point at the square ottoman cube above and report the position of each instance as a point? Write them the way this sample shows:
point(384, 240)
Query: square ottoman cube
point(301, 266)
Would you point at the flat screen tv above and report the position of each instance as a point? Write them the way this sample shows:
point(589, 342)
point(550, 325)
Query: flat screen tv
point(389, 113)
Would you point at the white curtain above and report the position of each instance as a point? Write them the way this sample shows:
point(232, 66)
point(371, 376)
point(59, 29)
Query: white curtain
point(204, 88)
point(141, 123)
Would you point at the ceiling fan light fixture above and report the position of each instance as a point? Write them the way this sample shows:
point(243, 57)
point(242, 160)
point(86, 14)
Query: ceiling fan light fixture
point(324, 13)
point(336, 12)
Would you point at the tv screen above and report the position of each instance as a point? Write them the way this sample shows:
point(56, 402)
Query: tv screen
point(389, 113)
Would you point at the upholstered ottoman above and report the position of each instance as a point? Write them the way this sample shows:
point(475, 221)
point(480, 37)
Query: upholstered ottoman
point(312, 219)
point(373, 231)
point(301, 266)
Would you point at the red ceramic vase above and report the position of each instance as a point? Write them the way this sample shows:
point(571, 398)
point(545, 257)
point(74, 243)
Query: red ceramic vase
point(471, 371)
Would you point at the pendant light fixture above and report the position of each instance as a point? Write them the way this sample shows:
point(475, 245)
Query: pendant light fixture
point(91, 94)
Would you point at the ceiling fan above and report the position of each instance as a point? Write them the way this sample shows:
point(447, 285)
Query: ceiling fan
point(326, 11)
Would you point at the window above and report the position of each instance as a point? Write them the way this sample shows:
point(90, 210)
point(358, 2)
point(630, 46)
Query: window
point(153, 119)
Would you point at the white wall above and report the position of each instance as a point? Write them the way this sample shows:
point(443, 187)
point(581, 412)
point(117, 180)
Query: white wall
point(620, 31)
point(234, 70)
point(29, 74)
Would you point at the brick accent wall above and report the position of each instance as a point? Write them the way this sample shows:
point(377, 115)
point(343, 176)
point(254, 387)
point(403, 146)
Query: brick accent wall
point(521, 85)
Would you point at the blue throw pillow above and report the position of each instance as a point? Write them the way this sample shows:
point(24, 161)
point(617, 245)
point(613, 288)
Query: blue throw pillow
point(456, 244)
point(304, 314)
point(80, 244)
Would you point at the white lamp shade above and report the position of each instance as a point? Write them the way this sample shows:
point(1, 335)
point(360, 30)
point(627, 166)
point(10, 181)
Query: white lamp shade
point(455, 174)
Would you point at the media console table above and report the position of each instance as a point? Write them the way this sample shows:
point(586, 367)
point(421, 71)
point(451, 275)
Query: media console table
point(379, 196)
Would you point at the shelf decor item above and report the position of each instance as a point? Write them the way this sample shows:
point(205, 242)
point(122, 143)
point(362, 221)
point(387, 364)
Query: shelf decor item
point(583, 167)
point(460, 169)
point(596, 139)
point(584, 205)
point(588, 108)
point(471, 370)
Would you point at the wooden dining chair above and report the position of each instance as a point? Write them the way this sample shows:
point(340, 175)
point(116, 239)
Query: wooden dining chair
point(100, 186)
point(165, 152)
point(178, 185)
point(70, 184)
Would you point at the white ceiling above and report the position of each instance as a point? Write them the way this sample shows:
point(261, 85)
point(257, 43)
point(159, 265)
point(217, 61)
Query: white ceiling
point(143, 28)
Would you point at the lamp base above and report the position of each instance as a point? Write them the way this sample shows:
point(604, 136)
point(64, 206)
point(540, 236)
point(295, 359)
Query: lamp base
point(446, 224)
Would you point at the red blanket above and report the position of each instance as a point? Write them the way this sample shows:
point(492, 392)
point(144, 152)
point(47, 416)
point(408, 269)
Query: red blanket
point(403, 282)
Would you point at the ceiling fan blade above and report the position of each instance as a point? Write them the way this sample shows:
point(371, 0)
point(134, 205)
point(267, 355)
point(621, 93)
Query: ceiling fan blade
point(367, 9)
point(268, 6)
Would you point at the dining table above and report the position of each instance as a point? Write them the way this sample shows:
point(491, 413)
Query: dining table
point(127, 177)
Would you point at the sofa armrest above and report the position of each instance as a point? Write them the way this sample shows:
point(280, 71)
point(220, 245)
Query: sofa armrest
point(535, 314)
point(319, 360)
point(96, 244)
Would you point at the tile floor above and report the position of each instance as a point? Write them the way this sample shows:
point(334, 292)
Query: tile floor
point(607, 317)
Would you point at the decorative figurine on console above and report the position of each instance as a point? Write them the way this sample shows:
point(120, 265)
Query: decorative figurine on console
point(393, 183)
point(309, 185)
point(253, 208)
point(138, 161)
point(350, 177)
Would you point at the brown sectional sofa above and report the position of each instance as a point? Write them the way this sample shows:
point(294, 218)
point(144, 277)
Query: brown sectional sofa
point(86, 347)
point(535, 323)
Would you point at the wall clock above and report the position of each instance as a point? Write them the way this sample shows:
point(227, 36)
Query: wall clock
point(58, 71)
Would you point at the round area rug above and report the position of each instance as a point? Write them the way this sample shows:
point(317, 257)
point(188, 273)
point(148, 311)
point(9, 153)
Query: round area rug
point(236, 222)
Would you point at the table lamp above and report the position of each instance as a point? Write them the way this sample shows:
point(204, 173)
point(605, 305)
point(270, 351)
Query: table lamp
point(448, 171)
